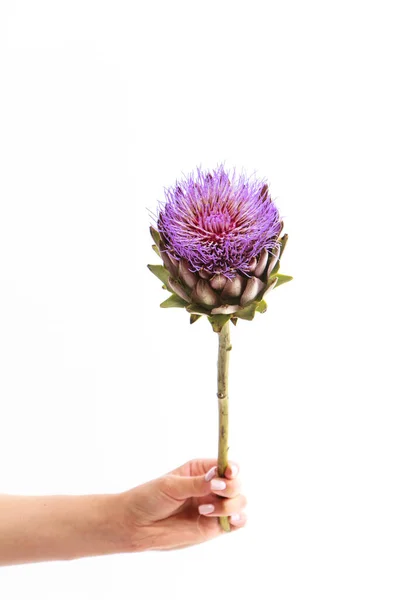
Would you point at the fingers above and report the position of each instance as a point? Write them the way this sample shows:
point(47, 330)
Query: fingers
point(238, 520)
point(200, 466)
point(182, 487)
point(225, 487)
point(224, 508)
point(218, 496)
point(232, 470)
point(228, 488)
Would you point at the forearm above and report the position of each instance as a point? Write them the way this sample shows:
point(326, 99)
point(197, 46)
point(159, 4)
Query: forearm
point(34, 529)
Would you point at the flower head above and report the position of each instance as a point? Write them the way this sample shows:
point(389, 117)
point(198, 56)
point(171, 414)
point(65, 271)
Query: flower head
point(218, 236)
point(219, 221)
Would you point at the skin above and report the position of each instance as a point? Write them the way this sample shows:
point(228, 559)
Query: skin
point(162, 514)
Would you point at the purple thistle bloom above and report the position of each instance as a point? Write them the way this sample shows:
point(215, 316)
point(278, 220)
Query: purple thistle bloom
point(219, 222)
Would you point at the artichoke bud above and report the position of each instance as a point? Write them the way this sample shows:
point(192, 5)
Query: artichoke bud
point(219, 240)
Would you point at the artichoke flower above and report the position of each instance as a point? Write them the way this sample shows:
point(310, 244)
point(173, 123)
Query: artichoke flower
point(219, 237)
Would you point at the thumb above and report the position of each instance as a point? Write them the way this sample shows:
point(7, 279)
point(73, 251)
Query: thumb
point(181, 487)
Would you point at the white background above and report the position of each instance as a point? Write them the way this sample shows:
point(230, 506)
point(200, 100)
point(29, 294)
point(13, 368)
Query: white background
point(104, 103)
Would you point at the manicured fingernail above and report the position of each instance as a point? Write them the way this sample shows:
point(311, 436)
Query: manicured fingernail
point(234, 470)
point(210, 474)
point(218, 484)
point(206, 509)
point(235, 518)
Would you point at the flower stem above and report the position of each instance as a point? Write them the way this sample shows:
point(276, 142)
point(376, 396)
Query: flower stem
point(224, 347)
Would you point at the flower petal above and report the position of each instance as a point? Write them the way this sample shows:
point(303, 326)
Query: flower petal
point(196, 309)
point(282, 243)
point(218, 321)
point(178, 289)
point(204, 294)
point(248, 312)
point(173, 302)
point(185, 275)
point(155, 235)
point(271, 284)
point(160, 272)
point(225, 309)
point(233, 287)
point(252, 265)
point(171, 264)
point(261, 306)
point(205, 274)
point(218, 282)
point(281, 279)
point(262, 263)
point(194, 318)
point(273, 259)
point(253, 288)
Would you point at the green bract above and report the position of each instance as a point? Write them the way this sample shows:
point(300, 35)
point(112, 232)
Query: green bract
point(214, 295)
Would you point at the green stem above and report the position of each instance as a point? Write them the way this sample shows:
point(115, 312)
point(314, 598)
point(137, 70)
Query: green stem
point(224, 347)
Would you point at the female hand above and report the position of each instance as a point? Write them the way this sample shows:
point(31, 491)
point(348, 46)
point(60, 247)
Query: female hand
point(176, 510)
point(181, 508)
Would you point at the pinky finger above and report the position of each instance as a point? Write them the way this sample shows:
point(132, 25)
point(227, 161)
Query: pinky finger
point(238, 520)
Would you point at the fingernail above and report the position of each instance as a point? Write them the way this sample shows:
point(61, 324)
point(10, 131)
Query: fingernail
point(206, 509)
point(235, 518)
point(218, 484)
point(234, 470)
point(210, 474)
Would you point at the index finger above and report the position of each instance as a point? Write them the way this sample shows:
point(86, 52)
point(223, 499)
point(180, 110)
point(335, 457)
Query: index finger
point(231, 470)
point(201, 466)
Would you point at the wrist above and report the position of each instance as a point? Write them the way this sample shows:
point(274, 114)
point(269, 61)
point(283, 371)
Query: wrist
point(109, 523)
point(124, 531)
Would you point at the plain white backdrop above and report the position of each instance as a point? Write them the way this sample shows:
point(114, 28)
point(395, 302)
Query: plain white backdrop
point(102, 104)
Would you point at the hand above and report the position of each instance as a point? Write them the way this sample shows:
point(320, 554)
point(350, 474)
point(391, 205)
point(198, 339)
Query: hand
point(181, 508)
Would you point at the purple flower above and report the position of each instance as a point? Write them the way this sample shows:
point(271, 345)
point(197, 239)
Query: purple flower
point(218, 237)
point(219, 221)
